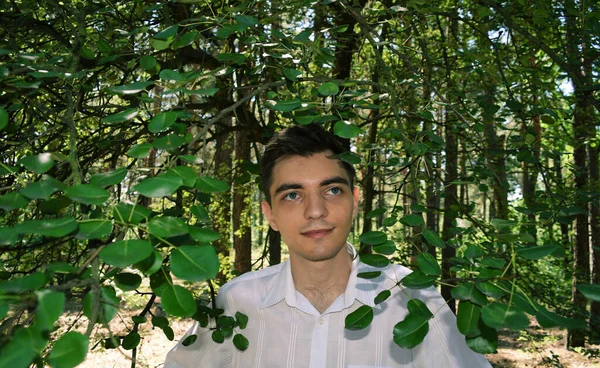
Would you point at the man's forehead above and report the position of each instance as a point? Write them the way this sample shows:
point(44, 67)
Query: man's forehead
point(316, 157)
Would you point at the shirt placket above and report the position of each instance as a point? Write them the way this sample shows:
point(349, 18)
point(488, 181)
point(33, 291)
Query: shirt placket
point(318, 347)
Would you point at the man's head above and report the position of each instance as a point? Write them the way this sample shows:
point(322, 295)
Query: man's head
point(304, 141)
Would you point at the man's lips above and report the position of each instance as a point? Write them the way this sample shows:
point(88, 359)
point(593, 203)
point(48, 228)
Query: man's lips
point(317, 233)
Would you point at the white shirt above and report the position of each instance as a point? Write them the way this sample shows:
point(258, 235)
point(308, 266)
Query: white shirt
point(285, 330)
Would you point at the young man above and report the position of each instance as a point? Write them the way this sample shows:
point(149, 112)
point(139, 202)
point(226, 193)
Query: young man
point(296, 310)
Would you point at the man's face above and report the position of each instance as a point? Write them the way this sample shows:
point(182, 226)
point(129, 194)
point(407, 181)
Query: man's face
point(312, 205)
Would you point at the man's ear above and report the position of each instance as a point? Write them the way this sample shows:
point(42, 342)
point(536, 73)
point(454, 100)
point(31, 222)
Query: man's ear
point(356, 196)
point(266, 208)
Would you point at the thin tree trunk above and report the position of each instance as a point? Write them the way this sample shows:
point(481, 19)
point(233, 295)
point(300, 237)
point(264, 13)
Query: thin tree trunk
point(593, 153)
point(242, 234)
point(450, 197)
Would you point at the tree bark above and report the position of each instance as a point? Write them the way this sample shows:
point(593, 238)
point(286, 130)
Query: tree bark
point(242, 234)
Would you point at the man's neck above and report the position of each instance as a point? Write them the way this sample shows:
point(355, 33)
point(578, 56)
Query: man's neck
point(322, 282)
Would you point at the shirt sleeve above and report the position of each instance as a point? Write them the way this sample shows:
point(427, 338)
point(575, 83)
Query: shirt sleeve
point(444, 345)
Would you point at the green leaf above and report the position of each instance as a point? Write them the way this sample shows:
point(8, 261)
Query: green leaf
point(3, 118)
point(131, 341)
point(108, 304)
point(369, 275)
point(349, 157)
point(55, 228)
point(434, 239)
point(3, 311)
point(194, 263)
point(346, 129)
point(25, 283)
point(202, 235)
point(160, 322)
point(208, 184)
point(167, 33)
point(69, 350)
point(124, 253)
point(328, 89)
point(168, 142)
point(241, 320)
point(150, 264)
point(130, 89)
point(132, 214)
point(87, 194)
point(162, 121)
point(428, 264)
point(94, 229)
point(292, 74)
point(167, 226)
point(178, 302)
point(9, 235)
point(373, 237)
point(122, 116)
point(140, 150)
point(411, 331)
point(186, 39)
point(109, 178)
point(286, 105)
point(39, 164)
point(50, 307)
point(490, 289)
point(388, 248)
point(375, 260)
point(417, 280)
point(159, 186)
point(218, 337)
point(12, 201)
point(202, 92)
point(148, 62)
point(42, 189)
point(419, 308)
point(486, 343)
point(498, 315)
point(590, 291)
point(468, 291)
point(412, 220)
point(240, 342)
point(382, 296)
point(467, 319)
point(537, 252)
point(189, 340)
point(502, 224)
point(186, 173)
point(549, 319)
point(169, 333)
point(360, 319)
point(247, 20)
point(22, 348)
point(127, 281)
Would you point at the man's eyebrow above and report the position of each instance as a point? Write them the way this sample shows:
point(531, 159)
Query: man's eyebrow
point(287, 186)
point(335, 180)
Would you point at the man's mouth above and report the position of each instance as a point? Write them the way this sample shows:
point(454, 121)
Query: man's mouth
point(317, 233)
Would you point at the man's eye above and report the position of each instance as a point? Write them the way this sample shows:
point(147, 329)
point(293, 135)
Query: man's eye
point(291, 196)
point(335, 191)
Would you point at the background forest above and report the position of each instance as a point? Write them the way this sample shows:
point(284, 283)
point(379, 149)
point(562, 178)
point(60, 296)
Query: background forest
point(131, 131)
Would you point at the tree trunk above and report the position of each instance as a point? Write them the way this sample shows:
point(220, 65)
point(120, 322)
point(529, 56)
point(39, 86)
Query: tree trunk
point(450, 196)
point(242, 234)
point(593, 153)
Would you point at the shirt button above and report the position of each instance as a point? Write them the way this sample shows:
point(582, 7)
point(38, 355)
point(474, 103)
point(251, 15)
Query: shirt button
point(321, 321)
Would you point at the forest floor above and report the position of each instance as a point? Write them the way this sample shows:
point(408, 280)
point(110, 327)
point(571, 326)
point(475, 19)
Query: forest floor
point(533, 347)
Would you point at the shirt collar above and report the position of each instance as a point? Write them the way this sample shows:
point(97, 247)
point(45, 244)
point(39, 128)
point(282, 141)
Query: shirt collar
point(363, 290)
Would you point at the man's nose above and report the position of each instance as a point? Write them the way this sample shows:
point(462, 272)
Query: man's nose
point(315, 207)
